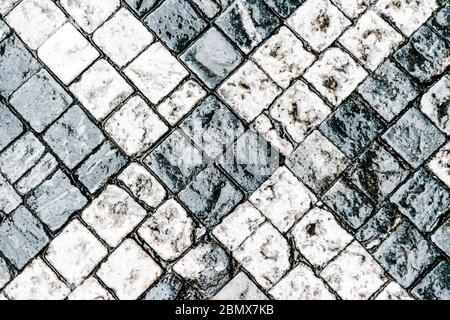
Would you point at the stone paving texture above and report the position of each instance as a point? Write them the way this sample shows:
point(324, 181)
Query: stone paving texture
point(224, 149)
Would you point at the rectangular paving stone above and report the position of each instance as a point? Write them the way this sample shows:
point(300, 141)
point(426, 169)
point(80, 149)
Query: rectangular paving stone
point(11, 127)
point(22, 236)
point(56, 200)
point(95, 171)
point(405, 254)
point(73, 136)
point(40, 100)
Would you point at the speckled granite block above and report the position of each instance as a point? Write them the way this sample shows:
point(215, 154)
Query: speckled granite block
point(211, 196)
point(22, 237)
point(441, 22)
point(436, 284)
point(405, 254)
point(176, 23)
point(247, 23)
point(423, 199)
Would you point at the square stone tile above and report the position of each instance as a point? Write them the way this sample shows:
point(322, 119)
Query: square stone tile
point(11, 126)
point(379, 227)
point(17, 65)
point(96, 170)
point(240, 288)
point(113, 215)
point(283, 57)
point(251, 160)
point(67, 44)
point(273, 131)
point(90, 289)
point(301, 284)
point(168, 287)
point(349, 203)
point(89, 15)
point(249, 91)
point(393, 291)
point(135, 126)
point(425, 55)
point(211, 196)
point(22, 237)
point(405, 254)
point(335, 75)
point(9, 198)
point(238, 226)
point(141, 7)
point(181, 101)
point(73, 137)
point(299, 110)
point(247, 23)
point(37, 282)
point(283, 199)
point(212, 57)
point(142, 184)
point(212, 126)
point(353, 9)
point(56, 200)
point(318, 22)
point(441, 235)
point(378, 172)
point(354, 274)
point(265, 255)
point(169, 231)
point(35, 20)
point(284, 7)
point(130, 282)
point(155, 72)
point(435, 103)
point(407, 15)
point(436, 284)
point(40, 100)
point(175, 161)
point(122, 37)
point(352, 127)
point(319, 237)
point(441, 23)
point(414, 137)
point(101, 89)
point(440, 164)
point(317, 162)
point(423, 199)
point(371, 40)
point(75, 252)
point(176, 23)
point(388, 90)
point(21, 156)
point(207, 265)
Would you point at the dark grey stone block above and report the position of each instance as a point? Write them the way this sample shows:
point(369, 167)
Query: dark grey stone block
point(388, 90)
point(423, 199)
point(414, 137)
point(175, 161)
point(167, 288)
point(212, 127)
point(211, 196)
point(40, 100)
point(405, 254)
point(352, 126)
point(56, 200)
point(11, 127)
point(247, 23)
point(22, 237)
point(176, 23)
point(251, 160)
point(436, 284)
point(100, 166)
point(73, 137)
point(212, 57)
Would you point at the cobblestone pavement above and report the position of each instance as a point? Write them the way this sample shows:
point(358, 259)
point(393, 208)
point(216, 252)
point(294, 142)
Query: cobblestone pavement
point(220, 149)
